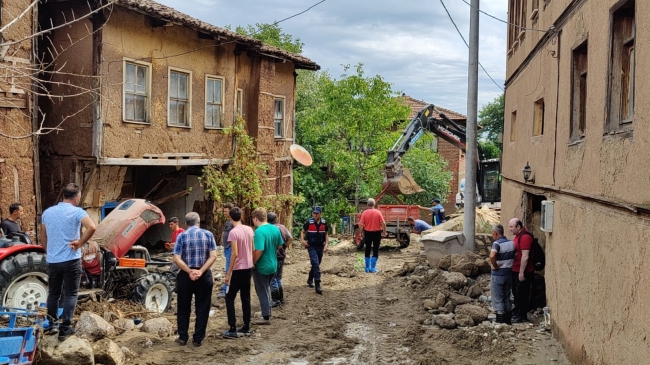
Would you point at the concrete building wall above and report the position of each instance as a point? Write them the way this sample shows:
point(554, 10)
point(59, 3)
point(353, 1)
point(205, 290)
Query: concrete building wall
point(16, 142)
point(595, 288)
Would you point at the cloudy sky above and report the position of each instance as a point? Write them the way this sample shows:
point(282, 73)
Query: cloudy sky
point(410, 43)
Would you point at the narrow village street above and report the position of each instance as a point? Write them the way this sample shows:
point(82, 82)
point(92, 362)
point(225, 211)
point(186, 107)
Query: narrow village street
point(359, 319)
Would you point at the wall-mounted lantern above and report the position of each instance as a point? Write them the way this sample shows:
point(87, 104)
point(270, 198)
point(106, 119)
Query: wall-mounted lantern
point(527, 172)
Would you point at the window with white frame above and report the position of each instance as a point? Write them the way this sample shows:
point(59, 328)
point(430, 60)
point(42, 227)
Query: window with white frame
point(278, 117)
point(179, 98)
point(213, 102)
point(136, 92)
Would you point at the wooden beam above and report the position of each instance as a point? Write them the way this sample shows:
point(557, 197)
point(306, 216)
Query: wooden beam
point(170, 197)
point(154, 187)
point(162, 162)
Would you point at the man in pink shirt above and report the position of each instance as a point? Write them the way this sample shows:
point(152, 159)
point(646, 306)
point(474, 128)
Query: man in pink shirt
point(239, 274)
point(374, 227)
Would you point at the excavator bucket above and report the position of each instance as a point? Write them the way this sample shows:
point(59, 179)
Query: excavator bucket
point(401, 183)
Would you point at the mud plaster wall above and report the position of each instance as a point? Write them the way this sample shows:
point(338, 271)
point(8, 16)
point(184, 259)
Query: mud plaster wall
point(131, 35)
point(451, 154)
point(16, 164)
point(70, 104)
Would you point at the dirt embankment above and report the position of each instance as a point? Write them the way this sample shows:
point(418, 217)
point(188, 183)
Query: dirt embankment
point(360, 319)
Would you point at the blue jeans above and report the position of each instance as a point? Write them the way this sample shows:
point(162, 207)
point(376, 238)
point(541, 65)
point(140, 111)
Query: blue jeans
point(64, 278)
point(263, 290)
point(276, 280)
point(500, 287)
point(315, 258)
point(226, 252)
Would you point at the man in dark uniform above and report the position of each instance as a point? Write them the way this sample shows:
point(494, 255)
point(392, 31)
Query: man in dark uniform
point(315, 239)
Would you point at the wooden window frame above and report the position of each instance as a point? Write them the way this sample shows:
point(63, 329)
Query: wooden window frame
point(222, 79)
point(189, 96)
point(579, 91)
point(284, 116)
point(539, 110)
point(147, 106)
point(621, 85)
point(513, 126)
point(239, 102)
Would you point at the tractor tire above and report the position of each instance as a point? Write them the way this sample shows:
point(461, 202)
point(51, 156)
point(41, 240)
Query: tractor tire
point(154, 292)
point(23, 280)
point(404, 240)
point(358, 239)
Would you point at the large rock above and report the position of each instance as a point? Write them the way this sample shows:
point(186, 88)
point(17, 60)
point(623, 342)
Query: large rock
point(484, 266)
point(445, 262)
point(429, 304)
point(474, 291)
point(445, 321)
point(159, 326)
point(108, 352)
point(441, 298)
point(93, 327)
point(458, 299)
point(123, 324)
point(470, 256)
point(455, 259)
point(478, 314)
point(455, 279)
point(465, 268)
point(73, 350)
point(464, 320)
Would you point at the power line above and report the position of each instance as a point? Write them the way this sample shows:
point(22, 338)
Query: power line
point(461, 36)
point(503, 21)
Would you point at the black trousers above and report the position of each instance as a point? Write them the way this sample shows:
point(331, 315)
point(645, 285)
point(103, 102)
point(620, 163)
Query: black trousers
point(64, 278)
point(240, 281)
point(521, 292)
point(373, 239)
point(201, 289)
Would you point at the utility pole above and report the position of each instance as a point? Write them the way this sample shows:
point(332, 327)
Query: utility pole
point(471, 155)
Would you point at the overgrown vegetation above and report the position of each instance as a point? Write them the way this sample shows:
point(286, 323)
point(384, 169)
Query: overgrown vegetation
point(491, 119)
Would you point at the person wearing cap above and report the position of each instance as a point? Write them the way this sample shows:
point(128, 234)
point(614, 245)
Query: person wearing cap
point(373, 225)
point(437, 211)
point(315, 239)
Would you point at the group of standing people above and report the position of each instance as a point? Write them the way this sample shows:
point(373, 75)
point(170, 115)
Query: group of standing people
point(512, 272)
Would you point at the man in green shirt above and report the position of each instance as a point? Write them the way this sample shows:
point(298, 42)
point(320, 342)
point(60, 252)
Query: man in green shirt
point(268, 240)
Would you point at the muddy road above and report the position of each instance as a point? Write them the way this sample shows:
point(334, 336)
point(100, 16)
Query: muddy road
point(360, 319)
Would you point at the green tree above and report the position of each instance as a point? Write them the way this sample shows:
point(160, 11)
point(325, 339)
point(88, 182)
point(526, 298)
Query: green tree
point(272, 35)
point(491, 119)
point(490, 149)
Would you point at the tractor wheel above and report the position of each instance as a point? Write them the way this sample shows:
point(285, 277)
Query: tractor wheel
point(358, 239)
point(404, 240)
point(23, 280)
point(154, 292)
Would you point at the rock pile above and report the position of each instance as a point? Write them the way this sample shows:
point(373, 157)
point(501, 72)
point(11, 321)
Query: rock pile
point(92, 342)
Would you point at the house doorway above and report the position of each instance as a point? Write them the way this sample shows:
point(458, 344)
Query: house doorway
point(532, 219)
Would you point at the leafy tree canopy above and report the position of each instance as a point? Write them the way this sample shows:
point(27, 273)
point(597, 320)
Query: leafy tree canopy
point(491, 119)
point(272, 35)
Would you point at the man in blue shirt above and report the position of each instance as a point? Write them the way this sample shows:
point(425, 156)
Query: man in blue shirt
point(194, 252)
point(437, 211)
point(502, 257)
point(417, 225)
point(60, 229)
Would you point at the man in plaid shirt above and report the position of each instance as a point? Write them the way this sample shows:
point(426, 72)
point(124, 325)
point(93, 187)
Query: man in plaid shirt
point(194, 252)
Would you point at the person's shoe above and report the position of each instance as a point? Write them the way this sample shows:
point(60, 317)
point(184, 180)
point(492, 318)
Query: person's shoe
point(221, 295)
point(196, 343)
point(507, 316)
point(245, 330)
point(231, 335)
point(500, 318)
point(180, 342)
point(373, 264)
point(310, 282)
point(275, 303)
point(281, 295)
point(319, 290)
point(262, 322)
point(519, 319)
point(54, 329)
point(66, 332)
point(367, 260)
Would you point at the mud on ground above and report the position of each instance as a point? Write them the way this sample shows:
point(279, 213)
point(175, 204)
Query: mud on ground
point(360, 319)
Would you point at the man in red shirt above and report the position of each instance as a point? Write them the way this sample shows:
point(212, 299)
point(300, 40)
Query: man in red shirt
point(522, 279)
point(373, 226)
point(176, 230)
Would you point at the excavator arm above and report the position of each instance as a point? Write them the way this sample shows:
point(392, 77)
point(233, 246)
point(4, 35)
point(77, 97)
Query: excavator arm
point(397, 179)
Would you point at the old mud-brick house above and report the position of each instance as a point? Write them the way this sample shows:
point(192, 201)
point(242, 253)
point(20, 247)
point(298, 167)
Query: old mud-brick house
point(17, 102)
point(577, 115)
point(156, 89)
point(454, 157)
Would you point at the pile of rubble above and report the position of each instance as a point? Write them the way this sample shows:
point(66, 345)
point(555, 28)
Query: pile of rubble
point(92, 342)
point(455, 292)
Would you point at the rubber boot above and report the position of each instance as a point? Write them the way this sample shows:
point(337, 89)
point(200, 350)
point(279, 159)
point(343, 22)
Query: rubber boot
point(281, 294)
point(373, 264)
point(367, 264)
point(500, 318)
point(507, 317)
point(310, 280)
point(275, 298)
point(318, 288)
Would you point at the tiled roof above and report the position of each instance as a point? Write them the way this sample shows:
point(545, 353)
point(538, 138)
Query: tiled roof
point(417, 105)
point(166, 13)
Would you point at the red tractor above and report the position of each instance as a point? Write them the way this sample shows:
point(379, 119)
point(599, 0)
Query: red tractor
point(111, 261)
